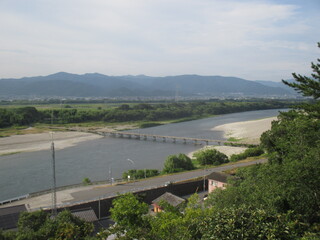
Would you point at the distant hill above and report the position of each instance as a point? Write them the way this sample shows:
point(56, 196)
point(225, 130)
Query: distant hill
point(278, 84)
point(99, 85)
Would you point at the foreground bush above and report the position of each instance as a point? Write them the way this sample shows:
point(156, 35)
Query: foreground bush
point(250, 152)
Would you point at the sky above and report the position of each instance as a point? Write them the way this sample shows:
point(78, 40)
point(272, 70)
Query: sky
point(250, 39)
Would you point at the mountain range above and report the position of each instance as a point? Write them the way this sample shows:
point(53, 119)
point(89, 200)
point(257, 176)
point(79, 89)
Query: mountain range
point(98, 85)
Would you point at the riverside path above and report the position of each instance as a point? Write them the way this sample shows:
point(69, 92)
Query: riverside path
point(69, 197)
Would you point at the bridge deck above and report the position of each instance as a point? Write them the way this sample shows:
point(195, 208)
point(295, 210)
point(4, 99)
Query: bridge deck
point(155, 136)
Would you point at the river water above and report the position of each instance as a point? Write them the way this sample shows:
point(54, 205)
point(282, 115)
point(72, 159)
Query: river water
point(30, 172)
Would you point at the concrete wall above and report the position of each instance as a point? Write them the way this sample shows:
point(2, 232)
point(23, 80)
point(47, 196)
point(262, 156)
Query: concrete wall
point(101, 207)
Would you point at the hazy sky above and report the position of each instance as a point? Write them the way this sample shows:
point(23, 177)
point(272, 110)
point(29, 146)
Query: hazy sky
point(255, 40)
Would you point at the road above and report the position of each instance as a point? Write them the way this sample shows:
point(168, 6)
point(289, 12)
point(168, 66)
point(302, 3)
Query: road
point(91, 192)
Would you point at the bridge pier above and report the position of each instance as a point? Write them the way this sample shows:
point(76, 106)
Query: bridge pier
point(184, 140)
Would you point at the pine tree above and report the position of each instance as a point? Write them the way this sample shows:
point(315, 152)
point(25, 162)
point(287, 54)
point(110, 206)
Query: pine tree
point(309, 87)
point(306, 85)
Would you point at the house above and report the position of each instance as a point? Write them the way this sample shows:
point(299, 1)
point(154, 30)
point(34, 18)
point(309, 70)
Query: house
point(170, 198)
point(217, 180)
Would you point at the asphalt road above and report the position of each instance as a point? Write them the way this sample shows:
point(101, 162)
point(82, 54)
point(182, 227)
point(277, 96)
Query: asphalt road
point(106, 191)
point(88, 193)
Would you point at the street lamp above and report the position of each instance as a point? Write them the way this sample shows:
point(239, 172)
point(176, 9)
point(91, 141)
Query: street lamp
point(133, 167)
point(110, 174)
point(131, 161)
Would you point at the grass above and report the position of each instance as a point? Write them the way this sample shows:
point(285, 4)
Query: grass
point(8, 154)
point(45, 127)
point(234, 139)
point(149, 124)
point(22, 130)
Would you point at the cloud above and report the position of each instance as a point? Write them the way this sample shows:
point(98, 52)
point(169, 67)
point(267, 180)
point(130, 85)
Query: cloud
point(158, 37)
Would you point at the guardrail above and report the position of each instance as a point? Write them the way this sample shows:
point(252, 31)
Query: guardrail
point(14, 199)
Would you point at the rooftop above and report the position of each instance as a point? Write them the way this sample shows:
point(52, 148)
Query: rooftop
point(169, 198)
point(219, 176)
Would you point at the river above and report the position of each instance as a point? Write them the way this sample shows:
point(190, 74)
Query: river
point(30, 172)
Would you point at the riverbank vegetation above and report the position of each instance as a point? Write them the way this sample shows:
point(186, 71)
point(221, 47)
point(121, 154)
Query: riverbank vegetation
point(205, 158)
point(146, 114)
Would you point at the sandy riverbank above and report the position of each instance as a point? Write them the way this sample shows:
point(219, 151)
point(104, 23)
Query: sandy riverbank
point(42, 141)
point(227, 150)
point(245, 132)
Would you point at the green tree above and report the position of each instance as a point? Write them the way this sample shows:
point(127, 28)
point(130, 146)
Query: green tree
point(177, 163)
point(39, 225)
point(129, 214)
point(32, 221)
point(308, 86)
point(210, 157)
point(290, 181)
point(246, 223)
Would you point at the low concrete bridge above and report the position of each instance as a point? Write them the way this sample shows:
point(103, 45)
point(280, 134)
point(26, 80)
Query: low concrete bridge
point(154, 137)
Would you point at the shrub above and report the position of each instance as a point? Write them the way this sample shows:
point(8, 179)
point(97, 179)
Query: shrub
point(86, 181)
point(211, 157)
point(250, 152)
point(177, 163)
point(140, 174)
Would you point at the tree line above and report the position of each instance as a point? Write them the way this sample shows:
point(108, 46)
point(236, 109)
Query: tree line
point(181, 162)
point(125, 112)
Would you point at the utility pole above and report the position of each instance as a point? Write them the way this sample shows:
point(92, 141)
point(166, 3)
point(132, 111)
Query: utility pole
point(110, 174)
point(204, 175)
point(53, 190)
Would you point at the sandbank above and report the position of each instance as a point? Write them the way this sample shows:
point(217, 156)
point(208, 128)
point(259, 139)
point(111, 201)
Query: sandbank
point(244, 132)
point(42, 141)
point(247, 131)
